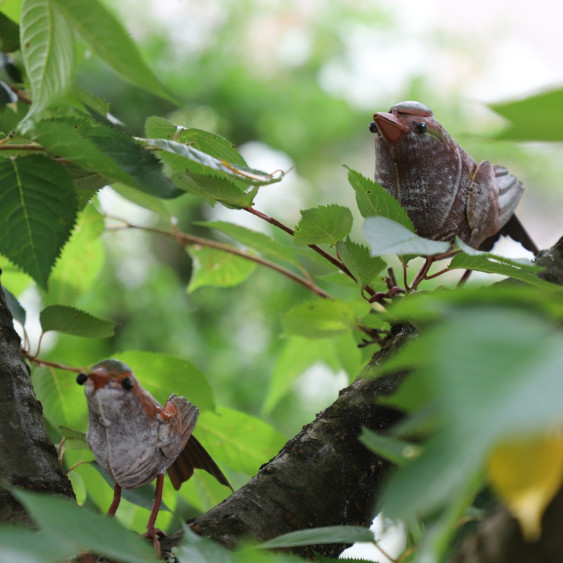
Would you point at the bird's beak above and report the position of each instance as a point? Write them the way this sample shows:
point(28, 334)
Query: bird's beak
point(391, 127)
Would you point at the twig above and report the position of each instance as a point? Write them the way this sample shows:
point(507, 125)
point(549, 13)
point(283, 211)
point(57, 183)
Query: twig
point(39, 362)
point(422, 272)
point(188, 240)
point(22, 147)
point(464, 278)
point(385, 554)
point(334, 261)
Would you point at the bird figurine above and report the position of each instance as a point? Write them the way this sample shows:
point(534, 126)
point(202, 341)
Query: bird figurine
point(442, 188)
point(135, 439)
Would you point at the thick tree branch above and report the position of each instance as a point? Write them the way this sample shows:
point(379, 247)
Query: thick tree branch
point(27, 456)
point(323, 476)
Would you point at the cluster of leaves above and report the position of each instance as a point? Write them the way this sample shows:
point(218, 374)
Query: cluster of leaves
point(482, 359)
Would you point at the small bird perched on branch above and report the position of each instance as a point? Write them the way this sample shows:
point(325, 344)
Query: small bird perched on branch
point(442, 188)
point(135, 439)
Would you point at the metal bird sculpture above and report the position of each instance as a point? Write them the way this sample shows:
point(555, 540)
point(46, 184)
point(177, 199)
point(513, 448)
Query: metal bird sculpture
point(135, 439)
point(442, 188)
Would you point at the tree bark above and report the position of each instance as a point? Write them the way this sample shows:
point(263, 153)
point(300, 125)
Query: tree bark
point(27, 456)
point(322, 477)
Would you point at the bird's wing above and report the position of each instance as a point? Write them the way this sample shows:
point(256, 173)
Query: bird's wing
point(177, 423)
point(510, 190)
point(194, 456)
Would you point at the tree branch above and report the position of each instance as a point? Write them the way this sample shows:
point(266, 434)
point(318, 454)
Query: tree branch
point(323, 476)
point(28, 458)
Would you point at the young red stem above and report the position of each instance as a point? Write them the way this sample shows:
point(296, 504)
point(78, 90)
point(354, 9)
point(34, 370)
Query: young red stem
point(314, 247)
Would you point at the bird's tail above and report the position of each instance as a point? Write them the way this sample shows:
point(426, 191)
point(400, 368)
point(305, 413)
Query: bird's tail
point(194, 456)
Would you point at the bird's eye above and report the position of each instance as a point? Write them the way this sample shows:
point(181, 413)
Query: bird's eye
point(373, 127)
point(421, 127)
point(81, 378)
point(127, 383)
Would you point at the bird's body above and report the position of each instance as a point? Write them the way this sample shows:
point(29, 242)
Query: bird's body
point(442, 188)
point(131, 435)
point(135, 439)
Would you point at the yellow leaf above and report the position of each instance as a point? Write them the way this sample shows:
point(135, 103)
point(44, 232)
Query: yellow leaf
point(526, 475)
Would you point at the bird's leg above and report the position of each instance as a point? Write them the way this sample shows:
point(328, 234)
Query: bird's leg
point(152, 533)
point(116, 499)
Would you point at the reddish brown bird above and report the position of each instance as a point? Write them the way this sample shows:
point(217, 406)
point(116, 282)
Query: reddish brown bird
point(442, 188)
point(135, 439)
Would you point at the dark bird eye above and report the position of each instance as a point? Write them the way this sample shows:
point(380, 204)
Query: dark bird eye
point(127, 383)
point(373, 127)
point(421, 127)
point(81, 378)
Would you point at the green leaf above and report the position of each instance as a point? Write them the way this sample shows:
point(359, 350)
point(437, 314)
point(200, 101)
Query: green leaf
point(48, 52)
point(536, 118)
point(510, 388)
point(106, 36)
point(18, 312)
point(209, 143)
point(314, 536)
point(80, 263)
point(37, 213)
point(388, 237)
point(213, 189)
point(137, 166)
point(493, 264)
point(373, 200)
point(63, 402)
point(105, 151)
point(297, 355)
point(182, 157)
point(162, 375)
point(74, 321)
point(424, 307)
point(392, 449)
point(68, 138)
point(23, 544)
point(212, 144)
point(255, 240)
point(78, 529)
point(9, 34)
point(142, 199)
point(320, 318)
point(161, 128)
point(239, 440)
point(194, 548)
point(323, 224)
point(358, 260)
point(85, 182)
point(217, 268)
